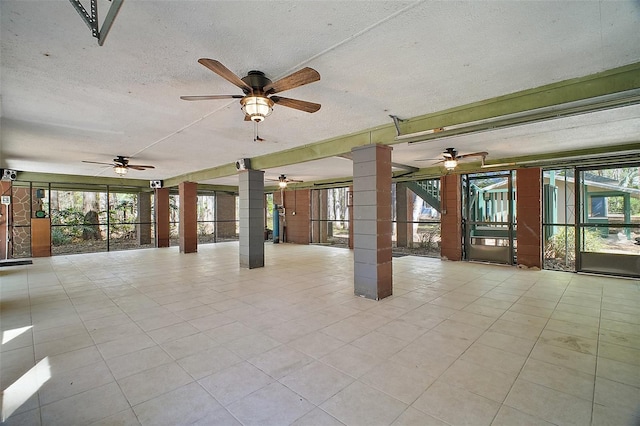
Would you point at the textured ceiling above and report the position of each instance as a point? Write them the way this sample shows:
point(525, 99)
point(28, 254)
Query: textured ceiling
point(65, 99)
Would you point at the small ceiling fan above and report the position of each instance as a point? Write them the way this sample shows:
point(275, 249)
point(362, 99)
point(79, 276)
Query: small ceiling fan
point(121, 165)
point(257, 101)
point(283, 180)
point(451, 157)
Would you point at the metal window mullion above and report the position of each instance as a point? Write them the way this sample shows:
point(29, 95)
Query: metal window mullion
point(108, 219)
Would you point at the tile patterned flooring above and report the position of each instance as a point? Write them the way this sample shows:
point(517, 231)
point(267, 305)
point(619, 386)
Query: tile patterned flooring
point(156, 337)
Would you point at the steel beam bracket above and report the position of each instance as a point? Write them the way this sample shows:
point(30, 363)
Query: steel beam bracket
point(91, 19)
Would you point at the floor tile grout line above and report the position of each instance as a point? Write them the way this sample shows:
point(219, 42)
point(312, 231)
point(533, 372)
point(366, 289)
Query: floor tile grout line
point(528, 355)
point(595, 373)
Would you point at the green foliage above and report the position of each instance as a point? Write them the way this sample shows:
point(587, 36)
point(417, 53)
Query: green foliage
point(59, 237)
point(68, 226)
point(563, 243)
point(429, 238)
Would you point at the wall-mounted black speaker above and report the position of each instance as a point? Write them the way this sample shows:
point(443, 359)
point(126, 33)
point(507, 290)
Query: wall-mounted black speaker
point(9, 174)
point(155, 184)
point(243, 164)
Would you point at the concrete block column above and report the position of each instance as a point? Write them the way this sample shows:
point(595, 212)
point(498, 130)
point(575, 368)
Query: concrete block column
point(529, 208)
point(251, 186)
point(162, 217)
point(451, 219)
point(372, 224)
point(188, 193)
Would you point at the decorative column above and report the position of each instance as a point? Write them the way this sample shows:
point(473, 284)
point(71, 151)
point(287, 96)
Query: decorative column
point(144, 218)
point(251, 186)
point(404, 216)
point(528, 206)
point(162, 217)
point(188, 192)
point(372, 224)
point(451, 218)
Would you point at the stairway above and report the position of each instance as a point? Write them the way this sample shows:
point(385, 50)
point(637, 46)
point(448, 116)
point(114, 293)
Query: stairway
point(428, 190)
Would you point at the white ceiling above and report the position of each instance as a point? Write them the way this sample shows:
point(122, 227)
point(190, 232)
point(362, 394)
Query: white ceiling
point(65, 99)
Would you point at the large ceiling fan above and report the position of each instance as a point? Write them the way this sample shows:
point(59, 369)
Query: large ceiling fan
point(450, 157)
point(283, 180)
point(121, 165)
point(258, 100)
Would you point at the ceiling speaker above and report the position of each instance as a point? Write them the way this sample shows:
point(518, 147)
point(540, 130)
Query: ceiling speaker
point(155, 184)
point(243, 164)
point(9, 174)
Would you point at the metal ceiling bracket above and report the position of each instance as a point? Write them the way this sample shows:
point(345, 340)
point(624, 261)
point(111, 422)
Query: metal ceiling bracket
point(396, 122)
point(91, 19)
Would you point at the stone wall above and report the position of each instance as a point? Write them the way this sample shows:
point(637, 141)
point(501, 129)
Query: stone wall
point(22, 207)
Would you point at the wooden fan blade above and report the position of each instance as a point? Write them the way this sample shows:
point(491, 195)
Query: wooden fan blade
point(296, 104)
point(299, 78)
point(225, 73)
point(97, 162)
point(139, 167)
point(474, 154)
point(208, 97)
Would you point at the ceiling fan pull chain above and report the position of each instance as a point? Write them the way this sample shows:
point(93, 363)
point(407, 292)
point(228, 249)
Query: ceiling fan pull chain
point(256, 136)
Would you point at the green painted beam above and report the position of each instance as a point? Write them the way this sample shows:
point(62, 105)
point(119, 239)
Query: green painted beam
point(603, 83)
point(213, 173)
point(557, 157)
point(83, 180)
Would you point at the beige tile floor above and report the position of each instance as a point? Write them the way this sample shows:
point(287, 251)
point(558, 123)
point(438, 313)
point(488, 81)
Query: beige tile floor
point(156, 337)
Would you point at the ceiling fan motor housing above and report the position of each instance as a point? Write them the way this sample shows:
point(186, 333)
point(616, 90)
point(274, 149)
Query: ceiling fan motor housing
point(257, 80)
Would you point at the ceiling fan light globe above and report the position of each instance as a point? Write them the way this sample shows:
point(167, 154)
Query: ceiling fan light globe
point(450, 164)
point(120, 170)
point(282, 184)
point(257, 107)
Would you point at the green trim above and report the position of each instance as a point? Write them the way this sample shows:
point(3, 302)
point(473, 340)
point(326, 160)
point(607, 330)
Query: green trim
point(36, 177)
point(558, 157)
point(576, 89)
point(213, 173)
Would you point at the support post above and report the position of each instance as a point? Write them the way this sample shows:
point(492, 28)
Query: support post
point(451, 219)
point(251, 186)
point(144, 218)
point(404, 216)
point(372, 225)
point(162, 217)
point(528, 206)
point(188, 231)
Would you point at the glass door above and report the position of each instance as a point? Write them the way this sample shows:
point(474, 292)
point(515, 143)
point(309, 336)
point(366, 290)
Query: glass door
point(489, 217)
point(608, 237)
